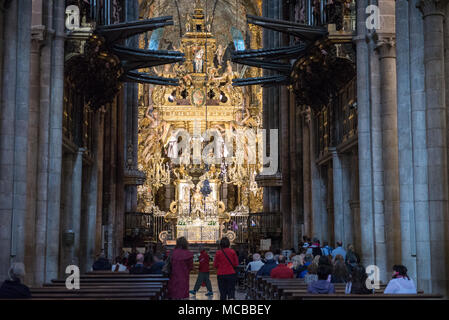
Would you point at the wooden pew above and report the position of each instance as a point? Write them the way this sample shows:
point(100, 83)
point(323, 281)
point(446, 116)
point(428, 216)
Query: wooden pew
point(107, 286)
point(420, 296)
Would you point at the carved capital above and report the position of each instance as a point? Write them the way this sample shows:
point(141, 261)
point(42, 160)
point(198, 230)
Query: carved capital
point(386, 47)
point(38, 36)
point(432, 7)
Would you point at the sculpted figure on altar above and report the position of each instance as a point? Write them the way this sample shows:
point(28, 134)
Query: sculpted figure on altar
point(198, 204)
point(198, 60)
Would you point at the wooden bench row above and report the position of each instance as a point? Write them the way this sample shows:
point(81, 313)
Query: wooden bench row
point(266, 288)
point(106, 287)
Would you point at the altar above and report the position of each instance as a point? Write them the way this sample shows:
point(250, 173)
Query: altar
point(199, 231)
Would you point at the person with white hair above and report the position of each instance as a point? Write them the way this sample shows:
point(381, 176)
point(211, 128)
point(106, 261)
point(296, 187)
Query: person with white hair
point(256, 264)
point(13, 288)
point(269, 265)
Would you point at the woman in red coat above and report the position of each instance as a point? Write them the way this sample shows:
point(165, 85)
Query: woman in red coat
point(181, 264)
point(225, 261)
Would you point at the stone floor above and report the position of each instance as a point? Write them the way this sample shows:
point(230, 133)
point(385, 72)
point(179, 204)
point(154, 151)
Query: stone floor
point(200, 295)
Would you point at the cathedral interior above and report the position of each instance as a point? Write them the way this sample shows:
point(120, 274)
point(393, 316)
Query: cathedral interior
point(126, 124)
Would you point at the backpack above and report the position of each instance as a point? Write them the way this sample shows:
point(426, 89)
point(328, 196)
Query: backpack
point(316, 251)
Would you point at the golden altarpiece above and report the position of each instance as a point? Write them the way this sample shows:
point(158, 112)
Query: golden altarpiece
point(191, 190)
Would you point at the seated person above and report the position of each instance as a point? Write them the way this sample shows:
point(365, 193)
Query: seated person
point(302, 269)
point(269, 265)
point(357, 282)
point(13, 287)
point(101, 264)
point(256, 264)
point(139, 267)
point(119, 265)
point(322, 286)
point(401, 283)
point(282, 271)
point(158, 263)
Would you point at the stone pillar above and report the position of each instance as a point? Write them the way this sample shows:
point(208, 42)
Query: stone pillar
point(364, 139)
point(55, 143)
point(284, 137)
point(410, 62)
point(14, 111)
point(433, 15)
point(339, 230)
point(371, 193)
point(66, 212)
point(318, 195)
point(387, 57)
point(294, 181)
point(76, 192)
point(307, 194)
point(43, 151)
point(99, 163)
point(37, 37)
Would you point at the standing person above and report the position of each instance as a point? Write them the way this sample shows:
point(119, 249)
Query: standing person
point(225, 261)
point(14, 288)
point(181, 260)
point(203, 274)
point(326, 250)
point(339, 250)
point(401, 282)
point(352, 258)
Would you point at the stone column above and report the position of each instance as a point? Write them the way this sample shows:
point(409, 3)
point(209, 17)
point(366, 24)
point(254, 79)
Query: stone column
point(43, 151)
point(348, 165)
point(14, 111)
point(294, 183)
point(99, 163)
point(433, 15)
point(339, 230)
point(318, 196)
point(76, 192)
point(387, 57)
point(364, 139)
point(307, 198)
point(55, 144)
point(37, 38)
point(66, 212)
point(284, 137)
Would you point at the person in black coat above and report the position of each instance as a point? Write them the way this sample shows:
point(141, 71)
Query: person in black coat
point(102, 264)
point(13, 288)
point(158, 264)
point(269, 265)
point(139, 267)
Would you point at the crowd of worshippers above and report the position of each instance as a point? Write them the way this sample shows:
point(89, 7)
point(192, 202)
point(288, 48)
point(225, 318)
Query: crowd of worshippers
point(321, 266)
point(132, 262)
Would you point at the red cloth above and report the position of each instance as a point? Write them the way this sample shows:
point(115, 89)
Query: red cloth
point(204, 262)
point(222, 264)
point(282, 272)
point(181, 264)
